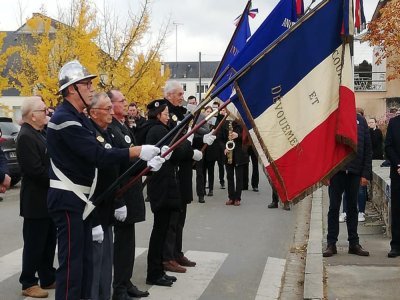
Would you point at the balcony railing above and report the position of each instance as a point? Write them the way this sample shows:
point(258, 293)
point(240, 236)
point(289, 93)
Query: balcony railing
point(370, 81)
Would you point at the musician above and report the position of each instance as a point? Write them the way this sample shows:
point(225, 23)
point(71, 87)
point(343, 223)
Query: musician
point(233, 131)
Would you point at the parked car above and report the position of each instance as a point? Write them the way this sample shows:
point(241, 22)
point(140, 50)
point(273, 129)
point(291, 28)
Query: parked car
point(9, 132)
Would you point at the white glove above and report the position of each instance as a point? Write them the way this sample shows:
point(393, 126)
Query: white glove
point(97, 234)
point(165, 149)
point(148, 152)
point(155, 163)
point(197, 155)
point(209, 138)
point(120, 213)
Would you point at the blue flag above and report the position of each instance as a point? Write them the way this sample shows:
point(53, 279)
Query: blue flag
point(278, 21)
point(238, 40)
point(299, 97)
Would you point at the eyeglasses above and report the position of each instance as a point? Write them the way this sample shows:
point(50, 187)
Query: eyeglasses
point(87, 83)
point(44, 110)
point(109, 109)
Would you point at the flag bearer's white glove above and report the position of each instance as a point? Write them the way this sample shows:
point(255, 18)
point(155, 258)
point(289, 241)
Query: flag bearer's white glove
point(197, 155)
point(165, 149)
point(209, 138)
point(97, 234)
point(121, 213)
point(155, 163)
point(148, 152)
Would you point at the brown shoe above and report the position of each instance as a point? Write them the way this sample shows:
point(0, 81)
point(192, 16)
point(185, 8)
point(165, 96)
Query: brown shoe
point(237, 203)
point(50, 287)
point(35, 292)
point(329, 251)
point(358, 250)
point(229, 202)
point(173, 266)
point(184, 261)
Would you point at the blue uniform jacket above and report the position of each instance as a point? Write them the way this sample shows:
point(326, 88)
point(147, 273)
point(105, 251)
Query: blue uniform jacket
point(72, 146)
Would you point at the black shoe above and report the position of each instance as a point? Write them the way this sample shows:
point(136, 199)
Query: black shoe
point(121, 296)
point(394, 253)
point(286, 206)
point(170, 278)
point(329, 251)
point(162, 281)
point(255, 189)
point(133, 291)
point(210, 193)
point(201, 200)
point(222, 186)
point(245, 188)
point(358, 250)
point(273, 205)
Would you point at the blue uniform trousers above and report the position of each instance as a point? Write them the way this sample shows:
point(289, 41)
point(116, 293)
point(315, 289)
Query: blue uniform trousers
point(75, 271)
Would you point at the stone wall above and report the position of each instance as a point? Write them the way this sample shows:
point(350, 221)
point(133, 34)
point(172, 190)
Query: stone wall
point(381, 192)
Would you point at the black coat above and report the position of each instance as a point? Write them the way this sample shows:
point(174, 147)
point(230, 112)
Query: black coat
point(3, 166)
point(392, 146)
point(163, 187)
point(362, 163)
point(377, 143)
point(34, 162)
point(177, 113)
point(104, 212)
point(240, 154)
point(122, 137)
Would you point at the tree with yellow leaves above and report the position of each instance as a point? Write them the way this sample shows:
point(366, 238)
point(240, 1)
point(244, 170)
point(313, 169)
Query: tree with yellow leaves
point(111, 53)
point(3, 62)
point(384, 32)
point(135, 73)
point(50, 45)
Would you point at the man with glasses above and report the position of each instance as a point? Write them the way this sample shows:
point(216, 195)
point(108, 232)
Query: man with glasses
point(74, 158)
point(39, 231)
point(130, 207)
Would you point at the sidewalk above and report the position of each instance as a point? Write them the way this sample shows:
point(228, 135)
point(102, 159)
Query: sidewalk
point(347, 276)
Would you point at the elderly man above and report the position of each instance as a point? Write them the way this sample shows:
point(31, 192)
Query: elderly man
point(75, 156)
point(130, 209)
point(39, 231)
point(100, 110)
point(174, 259)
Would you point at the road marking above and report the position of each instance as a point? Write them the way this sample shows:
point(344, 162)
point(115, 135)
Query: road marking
point(271, 280)
point(191, 284)
point(10, 264)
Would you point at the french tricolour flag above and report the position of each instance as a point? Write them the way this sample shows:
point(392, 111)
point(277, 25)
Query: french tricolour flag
point(300, 101)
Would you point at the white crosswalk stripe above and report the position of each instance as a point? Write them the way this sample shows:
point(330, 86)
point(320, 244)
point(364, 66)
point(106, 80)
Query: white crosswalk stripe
point(10, 264)
point(189, 286)
point(198, 278)
point(271, 280)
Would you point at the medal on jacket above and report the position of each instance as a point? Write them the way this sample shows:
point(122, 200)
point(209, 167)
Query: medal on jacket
point(174, 118)
point(100, 139)
point(128, 139)
point(107, 146)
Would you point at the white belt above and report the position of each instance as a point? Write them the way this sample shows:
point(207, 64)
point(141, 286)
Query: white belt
point(64, 183)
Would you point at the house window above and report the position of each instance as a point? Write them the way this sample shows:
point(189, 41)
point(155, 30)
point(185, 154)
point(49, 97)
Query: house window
point(204, 88)
point(184, 87)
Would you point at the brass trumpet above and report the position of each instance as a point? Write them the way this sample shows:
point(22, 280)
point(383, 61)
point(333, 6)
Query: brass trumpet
point(230, 144)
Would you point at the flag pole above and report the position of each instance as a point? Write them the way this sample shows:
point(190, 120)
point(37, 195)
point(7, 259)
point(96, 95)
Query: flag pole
point(266, 50)
point(132, 181)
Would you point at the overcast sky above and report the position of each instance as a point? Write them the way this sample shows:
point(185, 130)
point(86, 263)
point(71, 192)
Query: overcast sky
point(205, 26)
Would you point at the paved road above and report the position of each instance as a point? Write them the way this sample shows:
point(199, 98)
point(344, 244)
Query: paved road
point(240, 251)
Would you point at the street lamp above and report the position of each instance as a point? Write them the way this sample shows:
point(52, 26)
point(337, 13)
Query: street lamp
point(176, 40)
